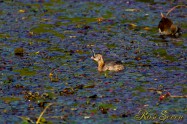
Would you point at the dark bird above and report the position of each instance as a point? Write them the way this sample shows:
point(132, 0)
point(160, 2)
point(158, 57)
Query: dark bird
point(167, 28)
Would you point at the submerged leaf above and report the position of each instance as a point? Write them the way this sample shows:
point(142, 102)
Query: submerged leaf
point(19, 51)
point(26, 72)
point(10, 99)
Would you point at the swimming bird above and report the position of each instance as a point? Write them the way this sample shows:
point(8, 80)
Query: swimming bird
point(167, 28)
point(107, 66)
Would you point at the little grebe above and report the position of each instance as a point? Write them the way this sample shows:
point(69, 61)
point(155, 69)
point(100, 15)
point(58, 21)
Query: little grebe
point(166, 27)
point(104, 66)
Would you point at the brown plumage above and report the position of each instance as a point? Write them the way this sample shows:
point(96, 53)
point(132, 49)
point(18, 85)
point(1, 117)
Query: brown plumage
point(166, 27)
point(104, 66)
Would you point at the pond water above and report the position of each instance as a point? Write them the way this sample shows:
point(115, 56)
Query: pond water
point(45, 58)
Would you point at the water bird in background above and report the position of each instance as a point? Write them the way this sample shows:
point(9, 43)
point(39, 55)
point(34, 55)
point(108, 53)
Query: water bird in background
point(166, 27)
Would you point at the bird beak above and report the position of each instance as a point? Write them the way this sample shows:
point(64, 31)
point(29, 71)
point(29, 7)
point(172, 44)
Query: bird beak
point(93, 53)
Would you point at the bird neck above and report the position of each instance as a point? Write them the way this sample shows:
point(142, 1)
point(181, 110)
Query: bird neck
point(101, 65)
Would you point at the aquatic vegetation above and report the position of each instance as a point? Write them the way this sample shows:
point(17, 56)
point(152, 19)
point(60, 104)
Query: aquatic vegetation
point(47, 75)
